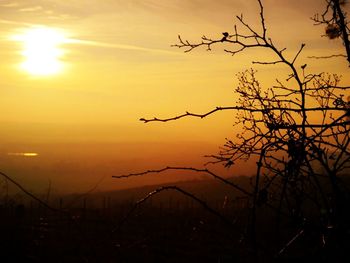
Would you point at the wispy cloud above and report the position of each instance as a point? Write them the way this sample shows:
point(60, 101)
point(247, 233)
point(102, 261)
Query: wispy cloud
point(13, 4)
point(93, 43)
point(16, 23)
point(31, 9)
point(24, 154)
point(118, 46)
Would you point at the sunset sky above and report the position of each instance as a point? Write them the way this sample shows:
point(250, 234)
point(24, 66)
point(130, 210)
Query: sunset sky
point(116, 66)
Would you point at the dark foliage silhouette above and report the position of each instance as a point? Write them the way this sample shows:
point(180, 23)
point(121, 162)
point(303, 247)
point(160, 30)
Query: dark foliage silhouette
point(336, 25)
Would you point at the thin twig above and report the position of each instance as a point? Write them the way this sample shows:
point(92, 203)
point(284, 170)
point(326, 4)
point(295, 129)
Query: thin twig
point(206, 171)
point(178, 189)
point(30, 194)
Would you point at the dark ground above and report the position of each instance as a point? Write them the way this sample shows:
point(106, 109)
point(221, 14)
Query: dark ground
point(166, 228)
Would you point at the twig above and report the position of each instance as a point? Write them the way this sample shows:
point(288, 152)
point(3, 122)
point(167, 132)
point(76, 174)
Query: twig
point(178, 189)
point(239, 108)
point(30, 194)
point(290, 242)
point(86, 193)
point(326, 57)
point(187, 169)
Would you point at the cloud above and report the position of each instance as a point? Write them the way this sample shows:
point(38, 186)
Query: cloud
point(13, 4)
point(15, 23)
point(35, 10)
point(119, 46)
point(31, 9)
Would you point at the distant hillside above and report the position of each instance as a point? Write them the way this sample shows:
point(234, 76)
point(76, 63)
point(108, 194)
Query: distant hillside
point(209, 190)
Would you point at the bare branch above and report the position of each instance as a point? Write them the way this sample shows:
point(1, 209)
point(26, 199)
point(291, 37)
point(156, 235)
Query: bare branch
point(206, 171)
point(298, 53)
point(330, 56)
point(280, 130)
point(241, 108)
point(180, 190)
point(30, 194)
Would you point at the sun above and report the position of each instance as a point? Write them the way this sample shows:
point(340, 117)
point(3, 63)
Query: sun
point(42, 51)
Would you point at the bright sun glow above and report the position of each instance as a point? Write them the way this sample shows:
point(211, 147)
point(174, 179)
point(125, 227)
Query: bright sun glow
point(42, 51)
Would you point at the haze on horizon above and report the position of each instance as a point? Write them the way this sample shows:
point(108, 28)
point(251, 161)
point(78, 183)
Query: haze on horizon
point(82, 122)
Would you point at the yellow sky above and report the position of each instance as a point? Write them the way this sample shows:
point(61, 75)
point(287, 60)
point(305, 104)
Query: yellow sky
point(84, 123)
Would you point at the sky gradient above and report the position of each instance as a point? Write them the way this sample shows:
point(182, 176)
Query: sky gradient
point(83, 122)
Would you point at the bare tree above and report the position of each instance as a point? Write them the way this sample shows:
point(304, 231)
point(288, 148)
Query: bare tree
point(336, 25)
point(297, 130)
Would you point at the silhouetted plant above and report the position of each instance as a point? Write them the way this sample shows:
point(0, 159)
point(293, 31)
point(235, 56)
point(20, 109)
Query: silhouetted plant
point(336, 24)
point(296, 130)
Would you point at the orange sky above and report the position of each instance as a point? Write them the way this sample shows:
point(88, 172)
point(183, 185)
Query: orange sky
point(83, 122)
